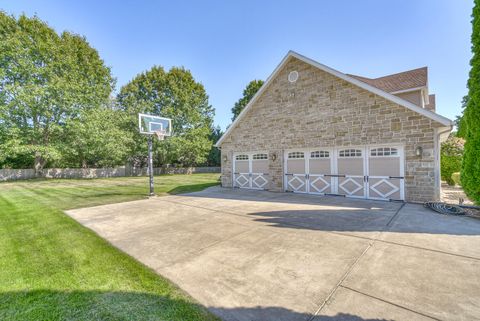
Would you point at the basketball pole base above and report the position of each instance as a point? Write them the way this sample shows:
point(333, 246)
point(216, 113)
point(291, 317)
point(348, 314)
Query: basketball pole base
point(150, 164)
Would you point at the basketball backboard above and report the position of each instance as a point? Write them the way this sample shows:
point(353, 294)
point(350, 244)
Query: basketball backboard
point(150, 124)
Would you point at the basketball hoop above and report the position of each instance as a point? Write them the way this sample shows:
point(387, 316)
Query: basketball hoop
point(160, 134)
point(153, 125)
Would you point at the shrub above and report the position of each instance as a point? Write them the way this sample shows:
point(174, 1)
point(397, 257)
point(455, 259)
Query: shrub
point(456, 178)
point(451, 158)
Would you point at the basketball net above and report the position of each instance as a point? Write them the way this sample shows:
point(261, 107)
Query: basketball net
point(160, 134)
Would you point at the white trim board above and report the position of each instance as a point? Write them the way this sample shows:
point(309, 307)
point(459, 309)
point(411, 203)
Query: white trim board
point(402, 102)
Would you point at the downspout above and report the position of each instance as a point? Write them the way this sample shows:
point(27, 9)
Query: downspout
point(438, 184)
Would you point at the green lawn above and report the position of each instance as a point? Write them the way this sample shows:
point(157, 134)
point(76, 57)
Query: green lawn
point(52, 268)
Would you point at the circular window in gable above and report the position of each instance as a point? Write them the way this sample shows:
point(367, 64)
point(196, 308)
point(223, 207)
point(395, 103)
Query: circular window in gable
point(293, 76)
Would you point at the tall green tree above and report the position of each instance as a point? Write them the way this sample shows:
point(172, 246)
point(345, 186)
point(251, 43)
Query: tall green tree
point(460, 121)
point(46, 79)
point(470, 175)
point(174, 94)
point(214, 155)
point(96, 138)
point(248, 94)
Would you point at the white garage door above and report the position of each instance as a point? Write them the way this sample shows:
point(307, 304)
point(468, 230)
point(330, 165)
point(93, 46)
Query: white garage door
point(373, 172)
point(309, 171)
point(250, 170)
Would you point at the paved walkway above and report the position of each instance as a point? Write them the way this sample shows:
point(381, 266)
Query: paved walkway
point(250, 255)
point(451, 194)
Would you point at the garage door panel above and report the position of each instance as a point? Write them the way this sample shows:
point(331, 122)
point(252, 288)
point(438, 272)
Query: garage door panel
point(260, 166)
point(384, 188)
point(385, 173)
point(320, 181)
point(259, 180)
point(351, 186)
point(296, 170)
point(251, 170)
point(320, 184)
point(350, 166)
point(296, 166)
point(320, 166)
point(296, 183)
point(351, 170)
point(385, 166)
point(242, 167)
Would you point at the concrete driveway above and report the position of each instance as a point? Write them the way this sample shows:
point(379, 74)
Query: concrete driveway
point(254, 255)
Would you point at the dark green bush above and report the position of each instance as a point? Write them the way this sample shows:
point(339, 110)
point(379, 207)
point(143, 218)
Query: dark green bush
point(456, 178)
point(451, 158)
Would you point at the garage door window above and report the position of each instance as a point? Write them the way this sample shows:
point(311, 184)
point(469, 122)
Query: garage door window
point(350, 153)
point(260, 156)
point(293, 155)
point(384, 151)
point(241, 157)
point(320, 154)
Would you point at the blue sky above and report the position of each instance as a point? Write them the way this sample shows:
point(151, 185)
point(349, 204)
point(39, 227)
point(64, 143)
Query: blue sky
point(226, 44)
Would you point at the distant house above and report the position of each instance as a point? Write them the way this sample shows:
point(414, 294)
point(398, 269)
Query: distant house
point(312, 129)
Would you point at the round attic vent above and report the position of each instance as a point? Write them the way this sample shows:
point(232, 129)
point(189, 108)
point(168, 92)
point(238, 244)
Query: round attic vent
point(293, 76)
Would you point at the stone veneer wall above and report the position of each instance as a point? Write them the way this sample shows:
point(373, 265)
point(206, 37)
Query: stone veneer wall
point(321, 110)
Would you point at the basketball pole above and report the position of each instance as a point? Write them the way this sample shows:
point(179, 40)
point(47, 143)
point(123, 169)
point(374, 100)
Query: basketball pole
point(150, 163)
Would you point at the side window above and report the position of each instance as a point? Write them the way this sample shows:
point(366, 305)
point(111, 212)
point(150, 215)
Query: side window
point(350, 153)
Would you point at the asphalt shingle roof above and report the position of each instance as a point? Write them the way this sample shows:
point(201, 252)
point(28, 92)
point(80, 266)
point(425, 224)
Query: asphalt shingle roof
point(397, 82)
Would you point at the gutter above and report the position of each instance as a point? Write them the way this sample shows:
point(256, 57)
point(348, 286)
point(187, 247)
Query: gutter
point(448, 130)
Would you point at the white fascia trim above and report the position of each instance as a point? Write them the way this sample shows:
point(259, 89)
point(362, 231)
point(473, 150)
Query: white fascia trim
point(402, 102)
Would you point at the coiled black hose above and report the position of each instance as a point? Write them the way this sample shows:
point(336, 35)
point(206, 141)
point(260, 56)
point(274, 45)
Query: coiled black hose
point(444, 208)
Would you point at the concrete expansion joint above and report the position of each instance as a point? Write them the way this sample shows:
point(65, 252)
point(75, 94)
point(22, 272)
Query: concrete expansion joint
point(349, 270)
point(394, 217)
point(344, 276)
point(391, 303)
point(431, 250)
point(390, 223)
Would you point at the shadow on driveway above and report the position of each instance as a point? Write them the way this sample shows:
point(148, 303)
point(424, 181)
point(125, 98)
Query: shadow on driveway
point(331, 213)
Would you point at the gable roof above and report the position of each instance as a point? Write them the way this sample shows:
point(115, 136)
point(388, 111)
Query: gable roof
point(402, 102)
point(401, 81)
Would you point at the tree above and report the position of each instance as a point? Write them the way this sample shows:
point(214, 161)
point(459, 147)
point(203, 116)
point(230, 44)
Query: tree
point(46, 79)
point(96, 139)
point(213, 158)
point(248, 94)
point(174, 94)
point(470, 175)
point(460, 121)
point(451, 157)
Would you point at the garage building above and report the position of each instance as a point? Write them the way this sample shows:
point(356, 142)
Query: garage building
point(312, 129)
